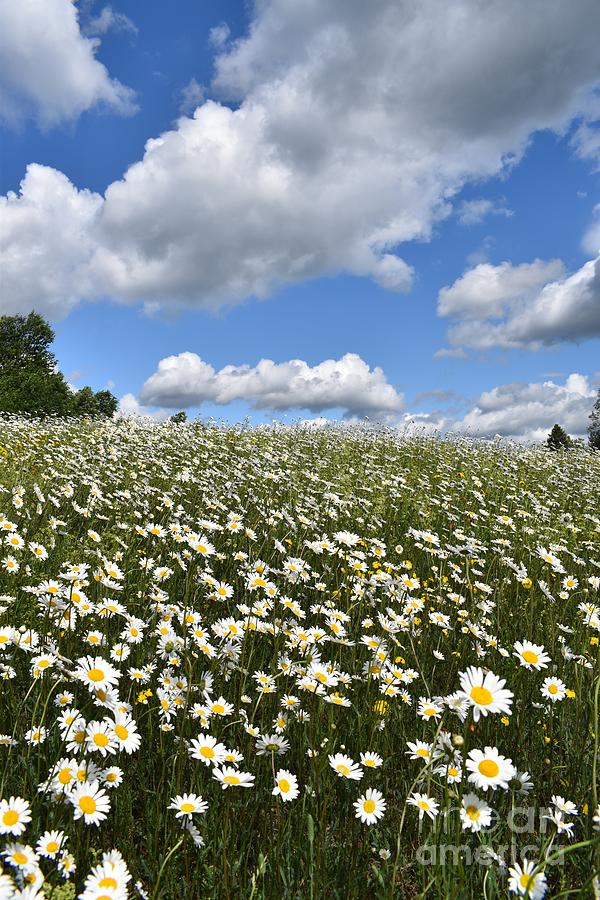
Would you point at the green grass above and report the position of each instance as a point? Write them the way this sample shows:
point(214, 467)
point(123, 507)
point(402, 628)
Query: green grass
point(294, 488)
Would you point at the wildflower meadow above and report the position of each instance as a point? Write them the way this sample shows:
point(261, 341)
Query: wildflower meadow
point(296, 662)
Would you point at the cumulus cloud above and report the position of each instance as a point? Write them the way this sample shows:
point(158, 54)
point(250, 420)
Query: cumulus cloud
point(472, 212)
point(521, 411)
point(353, 126)
point(520, 306)
point(348, 383)
point(44, 264)
point(529, 411)
point(485, 291)
point(48, 69)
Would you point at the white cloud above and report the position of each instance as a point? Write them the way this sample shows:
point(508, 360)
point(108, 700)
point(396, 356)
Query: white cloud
point(528, 411)
point(109, 20)
point(186, 380)
point(450, 353)
point(591, 239)
point(192, 95)
point(219, 35)
point(486, 290)
point(530, 305)
point(45, 265)
point(48, 69)
point(356, 124)
point(522, 411)
point(472, 212)
point(131, 408)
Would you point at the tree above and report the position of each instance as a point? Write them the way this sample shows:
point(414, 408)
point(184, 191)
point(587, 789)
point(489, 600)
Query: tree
point(179, 418)
point(594, 426)
point(30, 382)
point(558, 439)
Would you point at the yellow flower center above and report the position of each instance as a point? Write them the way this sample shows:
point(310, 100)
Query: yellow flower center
point(343, 770)
point(20, 858)
point(552, 689)
point(529, 656)
point(231, 779)
point(121, 732)
point(207, 752)
point(218, 708)
point(108, 882)
point(187, 807)
point(96, 675)
point(424, 805)
point(51, 847)
point(65, 776)
point(10, 817)
point(284, 785)
point(473, 813)
point(526, 881)
point(100, 740)
point(369, 806)
point(489, 768)
point(87, 805)
point(481, 696)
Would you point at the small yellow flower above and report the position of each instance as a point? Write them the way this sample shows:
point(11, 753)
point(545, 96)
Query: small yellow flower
point(381, 707)
point(527, 583)
point(571, 694)
point(594, 642)
point(505, 720)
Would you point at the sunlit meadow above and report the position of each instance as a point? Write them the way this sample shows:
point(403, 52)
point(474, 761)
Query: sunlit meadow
point(295, 662)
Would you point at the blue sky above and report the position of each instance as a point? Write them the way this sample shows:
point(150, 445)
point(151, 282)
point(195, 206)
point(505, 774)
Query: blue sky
point(283, 186)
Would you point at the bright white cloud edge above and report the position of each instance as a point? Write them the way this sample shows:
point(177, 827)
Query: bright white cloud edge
point(347, 143)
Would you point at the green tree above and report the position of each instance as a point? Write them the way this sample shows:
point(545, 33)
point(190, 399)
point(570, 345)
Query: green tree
point(179, 418)
point(558, 439)
point(594, 426)
point(30, 382)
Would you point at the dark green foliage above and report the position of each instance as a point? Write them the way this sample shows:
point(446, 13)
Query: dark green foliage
point(179, 418)
point(29, 381)
point(558, 439)
point(594, 426)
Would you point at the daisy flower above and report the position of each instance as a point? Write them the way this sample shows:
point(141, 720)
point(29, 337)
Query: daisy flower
point(523, 881)
point(95, 673)
point(207, 749)
point(187, 805)
point(565, 806)
point(485, 692)
point(419, 750)
point(286, 785)
point(531, 656)
point(22, 856)
point(90, 801)
point(50, 843)
point(125, 734)
point(345, 767)
point(370, 760)
point(370, 806)
point(230, 777)
point(553, 689)
point(428, 709)
point(489, 769)
point(427, 806)
point(475, 814)
point(15, 814)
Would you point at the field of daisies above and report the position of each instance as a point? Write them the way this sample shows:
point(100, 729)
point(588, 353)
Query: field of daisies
point(294, 662)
